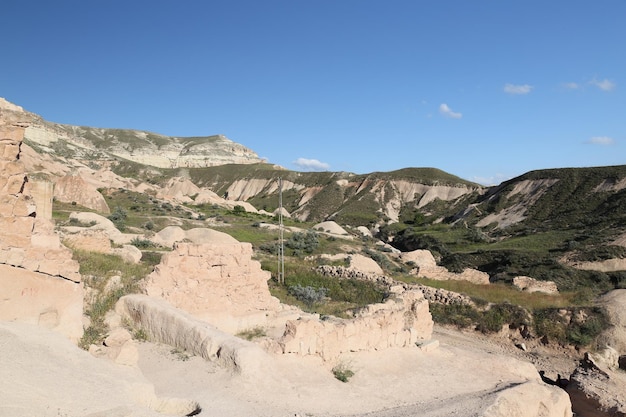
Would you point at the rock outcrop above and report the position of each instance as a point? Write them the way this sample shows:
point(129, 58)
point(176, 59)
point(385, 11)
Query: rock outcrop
point(614, 304)
point(74, 189)
point(427, 267)
point(40, 280)
point(597, 387)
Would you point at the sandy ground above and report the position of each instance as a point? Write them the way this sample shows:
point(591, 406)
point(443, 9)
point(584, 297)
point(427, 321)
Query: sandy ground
point(43, 374)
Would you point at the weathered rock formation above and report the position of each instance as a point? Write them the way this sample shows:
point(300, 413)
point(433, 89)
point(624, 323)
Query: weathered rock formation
point(164, 323)
point(427, 267)
point(74, 189)
point(169, 235)
point(40, 281)
point(597, 387)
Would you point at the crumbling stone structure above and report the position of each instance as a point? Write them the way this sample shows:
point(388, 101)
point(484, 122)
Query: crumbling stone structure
point(39, 279)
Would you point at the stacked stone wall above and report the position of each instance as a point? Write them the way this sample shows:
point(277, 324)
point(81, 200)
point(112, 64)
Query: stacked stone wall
point(35, 263)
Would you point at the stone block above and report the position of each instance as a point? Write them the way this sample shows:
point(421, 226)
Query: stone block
point(39, 299)
point(12, 133)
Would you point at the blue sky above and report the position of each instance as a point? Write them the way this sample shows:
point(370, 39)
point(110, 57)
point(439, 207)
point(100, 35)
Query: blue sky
point(486, 90)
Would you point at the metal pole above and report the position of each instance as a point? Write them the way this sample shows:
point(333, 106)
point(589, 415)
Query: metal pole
point(281, 249)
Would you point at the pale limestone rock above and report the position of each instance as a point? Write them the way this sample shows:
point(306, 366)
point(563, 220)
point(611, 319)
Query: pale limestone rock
point(330, 227)
point(128, 253)
point(117, 337)
point(530, 399)
point(44, 374)
point(282, 211)
point(608, 265)
point(364, 231)
point(166, 324)
point(422, 257)
point(427, 267)
point(364, 264)
point(202, 235)
point(74, 189)
point(169, 235)
point(95, 221)
point(532, 285)
point(172, 234)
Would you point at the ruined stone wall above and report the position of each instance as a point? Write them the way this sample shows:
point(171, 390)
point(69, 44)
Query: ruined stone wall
point(35, 263)
point(401, 321)
point(219, 283)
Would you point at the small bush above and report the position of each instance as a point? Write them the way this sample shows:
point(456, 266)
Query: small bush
point(251, 334)
point(142, 243)
point(342, 372)
point(308, 295)
point(305, 242)
point(118, 217)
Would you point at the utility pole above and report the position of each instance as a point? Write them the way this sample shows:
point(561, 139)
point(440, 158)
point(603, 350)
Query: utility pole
point(281, 237)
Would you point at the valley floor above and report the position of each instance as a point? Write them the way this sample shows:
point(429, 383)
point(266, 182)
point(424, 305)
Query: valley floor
point(45, 375)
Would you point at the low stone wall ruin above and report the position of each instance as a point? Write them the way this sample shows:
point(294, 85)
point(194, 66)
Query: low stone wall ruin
point(401, 321)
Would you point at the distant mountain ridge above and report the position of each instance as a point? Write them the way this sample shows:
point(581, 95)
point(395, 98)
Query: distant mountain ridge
point(143, 147)
point(561, 198)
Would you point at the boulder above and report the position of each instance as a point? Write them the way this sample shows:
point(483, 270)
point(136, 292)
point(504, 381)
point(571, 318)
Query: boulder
point(530, 399)
point(529, 284)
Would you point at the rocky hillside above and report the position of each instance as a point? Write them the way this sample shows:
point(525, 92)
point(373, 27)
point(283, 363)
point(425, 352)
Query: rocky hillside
point(547, 221)
point(99, 144)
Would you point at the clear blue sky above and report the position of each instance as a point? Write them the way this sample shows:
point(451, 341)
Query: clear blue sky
point(485, 90)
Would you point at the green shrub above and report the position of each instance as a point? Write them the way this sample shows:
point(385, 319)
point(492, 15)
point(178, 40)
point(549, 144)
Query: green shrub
point(143, 243)
point(303, 242)
point(308, 295)
point(251, 334)
point(118, 217)
point(342, 372)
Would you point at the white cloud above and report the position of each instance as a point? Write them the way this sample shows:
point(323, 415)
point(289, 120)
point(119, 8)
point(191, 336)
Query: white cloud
point(311, 164)
point(604, 85)
point(601, 140)
point(571, 86)
point(518, 89)
point(447, 111)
